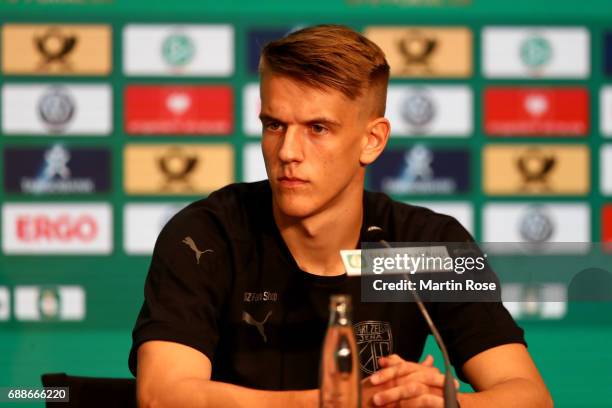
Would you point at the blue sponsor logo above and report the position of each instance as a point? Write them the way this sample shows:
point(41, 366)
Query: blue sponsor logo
point(56, 170)
point(421, 170)
point(257, 39)
point(607, 55)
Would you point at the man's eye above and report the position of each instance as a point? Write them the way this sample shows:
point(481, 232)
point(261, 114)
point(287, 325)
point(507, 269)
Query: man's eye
point(318, 129)
point(273, 126)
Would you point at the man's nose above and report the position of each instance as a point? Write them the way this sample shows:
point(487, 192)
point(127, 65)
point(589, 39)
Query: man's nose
point(291, 145)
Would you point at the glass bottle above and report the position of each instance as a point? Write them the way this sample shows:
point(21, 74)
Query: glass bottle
point(339, 374)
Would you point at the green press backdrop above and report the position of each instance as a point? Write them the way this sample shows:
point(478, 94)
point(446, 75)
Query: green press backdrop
point(572, 351)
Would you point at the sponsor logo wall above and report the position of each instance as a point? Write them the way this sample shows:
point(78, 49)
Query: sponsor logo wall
point(430, 110)
point(607, 53)
point(55, 109)
point(536, 52)
point(461, 211)
point(422, 170)
point(5, 303)
point(606, 110)
point(606, 169)
point(251, 107)
point(607, 223)
point(425, 51)
point(536, 301)
point(178, 50)
point(256, 39)
point(51, 228)
point(143, 223)
point(175, 116)
point(38, 49)
point(536, 222)
point(177, 169)
point(191, 110)
point(49, 303)
point(253, 166)
point(57, 169)
point(536, 111)
point(536, 169)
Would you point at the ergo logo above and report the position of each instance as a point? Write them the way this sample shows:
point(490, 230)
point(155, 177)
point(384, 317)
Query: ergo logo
point(57, 228)
point(62, 228)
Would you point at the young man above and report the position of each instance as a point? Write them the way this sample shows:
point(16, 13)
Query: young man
point(236, 301)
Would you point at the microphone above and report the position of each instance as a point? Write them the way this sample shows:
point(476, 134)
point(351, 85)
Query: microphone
point(376, 234)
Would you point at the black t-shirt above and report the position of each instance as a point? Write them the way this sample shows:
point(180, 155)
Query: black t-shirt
point(223, 282)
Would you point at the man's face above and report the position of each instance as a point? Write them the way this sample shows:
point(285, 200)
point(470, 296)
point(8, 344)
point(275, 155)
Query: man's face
point(312, 142)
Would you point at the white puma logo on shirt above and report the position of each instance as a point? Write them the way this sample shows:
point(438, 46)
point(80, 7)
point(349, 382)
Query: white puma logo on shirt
point(191, 244)
point(248, 319)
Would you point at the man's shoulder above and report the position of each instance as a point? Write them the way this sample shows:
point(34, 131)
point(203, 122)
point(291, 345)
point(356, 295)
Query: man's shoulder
point(232, 208)
point(404, 222)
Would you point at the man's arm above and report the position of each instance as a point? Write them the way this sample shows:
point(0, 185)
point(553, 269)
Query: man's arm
point(173, 375)
point(504, 376)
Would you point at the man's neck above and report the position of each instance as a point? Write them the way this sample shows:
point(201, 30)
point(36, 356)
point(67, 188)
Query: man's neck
point(315, 242)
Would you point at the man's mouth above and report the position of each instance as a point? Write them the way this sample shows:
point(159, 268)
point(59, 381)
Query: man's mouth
point(287, 181)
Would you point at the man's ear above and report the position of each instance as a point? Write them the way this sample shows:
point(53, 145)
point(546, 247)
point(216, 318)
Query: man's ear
point(375, 140)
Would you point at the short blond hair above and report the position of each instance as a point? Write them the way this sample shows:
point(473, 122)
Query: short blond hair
point(330, 56)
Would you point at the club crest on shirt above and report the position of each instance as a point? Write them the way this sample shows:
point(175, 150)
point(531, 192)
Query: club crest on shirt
point(374, 340)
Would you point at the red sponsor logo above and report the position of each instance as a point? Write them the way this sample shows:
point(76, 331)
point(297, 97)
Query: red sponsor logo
point(606, 232)
point(536, 111)
point(63, 228)
point(179, 110)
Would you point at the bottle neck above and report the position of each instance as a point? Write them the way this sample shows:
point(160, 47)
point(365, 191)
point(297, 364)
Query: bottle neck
point(340, 315)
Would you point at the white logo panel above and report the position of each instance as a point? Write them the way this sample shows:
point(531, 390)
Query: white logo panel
point(430, 110)
point(536, 222)
point(58, 109)
point(143, 223)
point(189, 50)
point(35, 303)
point(605, 112)
point(5, 303)
point(254, 167)
point(606, 169)
point(50, 228)
point(462, 212)
point(545, 301)
point(536, 52)
point(251, 107)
